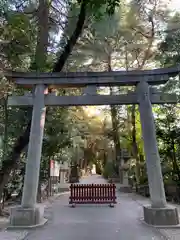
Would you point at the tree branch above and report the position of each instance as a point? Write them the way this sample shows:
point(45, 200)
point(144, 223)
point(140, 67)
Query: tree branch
point(72, 40)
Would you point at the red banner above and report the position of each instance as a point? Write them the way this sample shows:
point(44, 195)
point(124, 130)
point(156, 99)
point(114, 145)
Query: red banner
point(52, 164)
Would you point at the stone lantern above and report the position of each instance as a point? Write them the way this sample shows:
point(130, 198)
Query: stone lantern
point(123, 171)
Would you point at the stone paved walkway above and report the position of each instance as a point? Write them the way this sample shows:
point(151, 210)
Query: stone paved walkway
point(95, 222)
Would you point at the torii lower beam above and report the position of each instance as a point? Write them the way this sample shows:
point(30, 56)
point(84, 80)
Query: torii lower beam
point(90, 100)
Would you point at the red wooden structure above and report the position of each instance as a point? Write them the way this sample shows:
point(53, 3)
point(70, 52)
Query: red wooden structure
point(92, 194)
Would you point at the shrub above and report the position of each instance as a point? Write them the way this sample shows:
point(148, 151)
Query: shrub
point(109, 170)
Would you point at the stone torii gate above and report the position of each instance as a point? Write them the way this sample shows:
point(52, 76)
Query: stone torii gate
point(158, 213)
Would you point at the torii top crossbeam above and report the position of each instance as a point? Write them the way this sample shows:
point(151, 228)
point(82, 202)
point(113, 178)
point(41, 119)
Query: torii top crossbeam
point(81, 79)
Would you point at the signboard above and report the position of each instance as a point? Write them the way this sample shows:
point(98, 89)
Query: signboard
point(54, 168)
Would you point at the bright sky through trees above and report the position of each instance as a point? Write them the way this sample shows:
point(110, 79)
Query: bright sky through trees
point(175, 5)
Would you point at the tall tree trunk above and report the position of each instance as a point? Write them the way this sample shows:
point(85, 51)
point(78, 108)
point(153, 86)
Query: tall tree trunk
point(131, 115)
point(175, 165)
point(147, 54)
point(5, 129)
point(39, 195)
point(134, 144)
point(43, 36)
point(115, 124)
point(115, 127)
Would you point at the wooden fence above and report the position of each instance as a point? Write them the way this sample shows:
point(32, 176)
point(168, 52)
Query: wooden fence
point(92, 194)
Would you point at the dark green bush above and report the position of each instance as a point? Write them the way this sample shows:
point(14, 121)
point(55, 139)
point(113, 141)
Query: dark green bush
point(109, 170)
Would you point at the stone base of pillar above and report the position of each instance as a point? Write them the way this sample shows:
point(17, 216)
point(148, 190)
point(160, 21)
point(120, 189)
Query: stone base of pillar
point(161, 216)
point(27, 217)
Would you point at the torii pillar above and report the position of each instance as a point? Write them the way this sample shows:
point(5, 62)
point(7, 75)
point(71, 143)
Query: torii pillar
point(158, 213)
point(29, 214)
